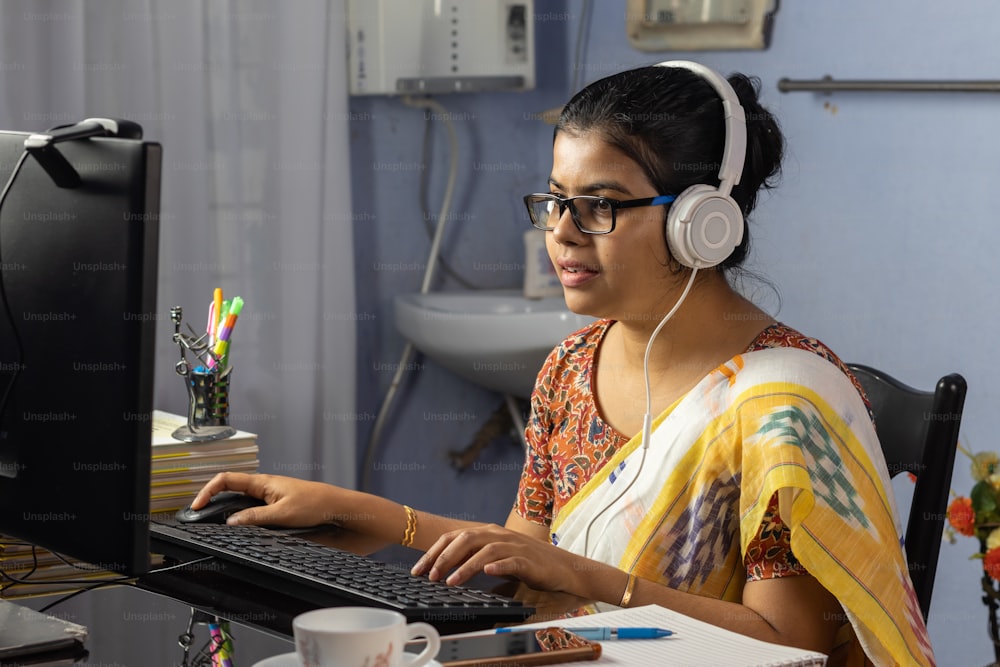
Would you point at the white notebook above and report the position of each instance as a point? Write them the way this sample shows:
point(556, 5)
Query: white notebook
point(693, 643)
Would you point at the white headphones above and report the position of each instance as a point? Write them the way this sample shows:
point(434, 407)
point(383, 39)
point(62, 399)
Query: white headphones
point(704, 224)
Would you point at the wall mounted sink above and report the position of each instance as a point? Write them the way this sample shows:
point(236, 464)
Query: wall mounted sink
point(497, 339)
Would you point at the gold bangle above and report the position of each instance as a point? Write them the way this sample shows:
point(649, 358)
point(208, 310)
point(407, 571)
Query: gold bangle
point(629, 587)
point(411, 526)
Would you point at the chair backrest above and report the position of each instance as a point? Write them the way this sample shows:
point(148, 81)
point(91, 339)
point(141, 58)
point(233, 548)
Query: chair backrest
point(918, 431)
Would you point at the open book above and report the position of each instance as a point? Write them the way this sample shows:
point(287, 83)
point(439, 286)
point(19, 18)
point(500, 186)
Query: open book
point(693, 642)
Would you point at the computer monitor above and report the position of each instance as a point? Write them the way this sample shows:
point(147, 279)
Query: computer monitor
point(78, 266)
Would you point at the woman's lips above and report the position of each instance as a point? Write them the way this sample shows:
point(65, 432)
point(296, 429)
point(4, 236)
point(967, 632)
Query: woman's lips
point(574, 274)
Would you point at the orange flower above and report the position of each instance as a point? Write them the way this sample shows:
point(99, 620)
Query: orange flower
point(962, 518)
point(991, 563)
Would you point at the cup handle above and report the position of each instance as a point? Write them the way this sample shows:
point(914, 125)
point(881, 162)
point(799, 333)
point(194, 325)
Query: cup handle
point(428, 633)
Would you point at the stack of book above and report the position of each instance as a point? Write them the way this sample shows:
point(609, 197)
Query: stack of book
point(47, 573)
point(179, 470)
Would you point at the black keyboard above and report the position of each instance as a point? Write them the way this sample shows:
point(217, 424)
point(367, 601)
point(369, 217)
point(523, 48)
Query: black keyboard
point(330, 577)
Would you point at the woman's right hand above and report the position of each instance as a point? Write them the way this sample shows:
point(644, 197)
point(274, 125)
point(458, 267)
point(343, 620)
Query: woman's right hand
point(294, 503)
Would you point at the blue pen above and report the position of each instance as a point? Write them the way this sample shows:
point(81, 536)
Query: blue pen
point(603, 634)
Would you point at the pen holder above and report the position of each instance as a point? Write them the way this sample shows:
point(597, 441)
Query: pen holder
point(208, 406)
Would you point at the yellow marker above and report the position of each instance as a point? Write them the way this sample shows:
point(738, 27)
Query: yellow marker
point(217, 296)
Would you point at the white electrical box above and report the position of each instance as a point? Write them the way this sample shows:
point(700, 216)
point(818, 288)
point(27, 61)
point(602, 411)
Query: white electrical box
point(699, 25)
point(401, 47)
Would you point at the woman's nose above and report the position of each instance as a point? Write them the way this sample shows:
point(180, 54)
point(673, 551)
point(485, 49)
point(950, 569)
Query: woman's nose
point(565, 230)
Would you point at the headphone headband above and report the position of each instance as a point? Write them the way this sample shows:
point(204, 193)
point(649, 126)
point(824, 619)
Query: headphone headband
point(734, 154)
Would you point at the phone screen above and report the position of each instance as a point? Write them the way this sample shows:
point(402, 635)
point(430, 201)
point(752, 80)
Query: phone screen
point(547, 645)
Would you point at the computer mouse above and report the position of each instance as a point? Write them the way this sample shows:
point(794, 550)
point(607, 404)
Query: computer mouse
point(218, 508)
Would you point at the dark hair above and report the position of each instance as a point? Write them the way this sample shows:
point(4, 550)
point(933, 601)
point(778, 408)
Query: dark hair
point(669, 121)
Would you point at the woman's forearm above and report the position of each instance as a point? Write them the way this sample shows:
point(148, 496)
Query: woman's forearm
point(388, 520)
point(794, 611)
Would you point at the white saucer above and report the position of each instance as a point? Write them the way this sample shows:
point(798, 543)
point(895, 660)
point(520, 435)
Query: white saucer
point(292, 660)
point(283, 660)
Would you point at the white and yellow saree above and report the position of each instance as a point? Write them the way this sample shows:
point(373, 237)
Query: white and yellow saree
point(780, 420)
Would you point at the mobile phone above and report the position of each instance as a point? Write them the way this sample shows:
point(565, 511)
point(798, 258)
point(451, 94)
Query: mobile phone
point(514, 649)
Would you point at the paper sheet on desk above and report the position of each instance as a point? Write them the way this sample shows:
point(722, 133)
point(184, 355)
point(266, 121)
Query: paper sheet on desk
point(693, 643)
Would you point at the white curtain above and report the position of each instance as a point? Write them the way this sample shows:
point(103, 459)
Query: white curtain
point(249, 99)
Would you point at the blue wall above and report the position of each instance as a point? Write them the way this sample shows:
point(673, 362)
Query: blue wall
point(504, 153)
point(881, 239)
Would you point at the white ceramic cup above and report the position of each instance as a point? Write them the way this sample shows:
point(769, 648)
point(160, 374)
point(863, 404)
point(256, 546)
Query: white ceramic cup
point(360, 637)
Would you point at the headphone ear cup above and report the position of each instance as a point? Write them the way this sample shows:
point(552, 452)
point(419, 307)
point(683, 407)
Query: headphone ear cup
point(703, 227)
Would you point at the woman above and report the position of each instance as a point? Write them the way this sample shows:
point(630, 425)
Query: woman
point(758, 500)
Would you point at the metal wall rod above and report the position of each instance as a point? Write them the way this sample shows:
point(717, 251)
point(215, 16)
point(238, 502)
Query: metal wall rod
point(827, 85)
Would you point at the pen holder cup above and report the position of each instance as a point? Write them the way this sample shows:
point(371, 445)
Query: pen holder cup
point(208, 407)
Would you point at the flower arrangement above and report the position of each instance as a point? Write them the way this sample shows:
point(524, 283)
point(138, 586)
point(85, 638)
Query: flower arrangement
point(978, 515)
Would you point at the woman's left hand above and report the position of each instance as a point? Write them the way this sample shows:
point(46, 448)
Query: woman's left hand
point(500, 552)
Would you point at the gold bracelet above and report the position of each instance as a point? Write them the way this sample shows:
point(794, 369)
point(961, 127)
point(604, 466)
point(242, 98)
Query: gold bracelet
point(629, 587)
point(411, 526)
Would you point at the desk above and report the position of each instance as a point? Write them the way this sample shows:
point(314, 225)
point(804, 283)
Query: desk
point(140, 625)
point(132, 627)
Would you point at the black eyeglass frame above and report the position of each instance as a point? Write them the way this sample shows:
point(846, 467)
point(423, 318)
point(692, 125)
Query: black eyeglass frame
point(567, 202)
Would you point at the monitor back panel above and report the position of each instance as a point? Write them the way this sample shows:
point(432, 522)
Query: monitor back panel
point(79, 271)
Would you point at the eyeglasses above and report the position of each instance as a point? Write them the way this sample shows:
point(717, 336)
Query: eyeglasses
point(591, 215)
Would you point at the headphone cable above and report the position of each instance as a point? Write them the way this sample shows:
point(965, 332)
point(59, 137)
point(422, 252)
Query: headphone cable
point(647, 419)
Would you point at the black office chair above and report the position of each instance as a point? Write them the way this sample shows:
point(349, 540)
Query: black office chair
point(918, 431)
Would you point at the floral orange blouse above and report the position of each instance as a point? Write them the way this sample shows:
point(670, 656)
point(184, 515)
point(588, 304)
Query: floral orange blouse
point(568, 441)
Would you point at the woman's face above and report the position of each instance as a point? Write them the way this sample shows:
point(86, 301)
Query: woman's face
point(623, 275)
